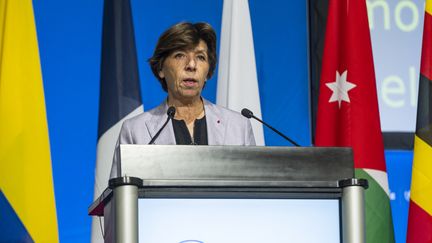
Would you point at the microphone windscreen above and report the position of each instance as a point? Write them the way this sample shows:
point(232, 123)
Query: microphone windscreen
point(247, 113)
point(171, 112)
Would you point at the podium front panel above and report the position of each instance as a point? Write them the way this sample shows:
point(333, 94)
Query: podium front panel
point(202, 194)
point(239, 220)
point(176, 163)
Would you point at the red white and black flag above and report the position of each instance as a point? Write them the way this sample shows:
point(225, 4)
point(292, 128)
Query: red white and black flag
point(348, 113)
point(120, 95)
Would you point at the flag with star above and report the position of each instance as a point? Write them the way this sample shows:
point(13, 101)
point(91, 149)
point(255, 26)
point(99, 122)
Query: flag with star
point(420, 209)
point(348, 113)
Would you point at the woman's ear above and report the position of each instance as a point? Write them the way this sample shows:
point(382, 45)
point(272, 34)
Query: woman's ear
point(161, 74)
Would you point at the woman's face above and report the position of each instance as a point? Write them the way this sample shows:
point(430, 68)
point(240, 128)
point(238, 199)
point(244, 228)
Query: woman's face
point(185, 72)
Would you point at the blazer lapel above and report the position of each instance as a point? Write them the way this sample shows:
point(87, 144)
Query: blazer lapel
point(167, 136)
point(215, 124)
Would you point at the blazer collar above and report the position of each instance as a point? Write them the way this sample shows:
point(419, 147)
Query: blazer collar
point(216, 124)
point(214, 119)
point(158, 118)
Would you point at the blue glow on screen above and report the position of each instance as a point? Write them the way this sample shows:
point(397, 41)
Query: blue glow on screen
point(238, 220)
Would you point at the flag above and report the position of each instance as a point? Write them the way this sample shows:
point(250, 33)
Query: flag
point(26, 183)
point(348, 113)
point(237, 86)
point(420, 207)
point(120, 95)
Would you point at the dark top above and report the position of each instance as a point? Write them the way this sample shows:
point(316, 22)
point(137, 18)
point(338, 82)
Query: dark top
point(183, 136)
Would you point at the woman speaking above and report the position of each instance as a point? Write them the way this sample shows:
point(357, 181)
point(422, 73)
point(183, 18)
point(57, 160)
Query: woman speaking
point(183, 60)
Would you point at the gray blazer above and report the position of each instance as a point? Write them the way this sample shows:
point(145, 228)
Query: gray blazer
point(224, 127)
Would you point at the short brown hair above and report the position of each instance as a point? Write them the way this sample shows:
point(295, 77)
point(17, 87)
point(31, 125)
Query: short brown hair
point(183, 36)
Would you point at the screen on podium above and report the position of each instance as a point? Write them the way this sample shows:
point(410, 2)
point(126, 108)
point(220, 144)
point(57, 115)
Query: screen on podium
point(239, 220)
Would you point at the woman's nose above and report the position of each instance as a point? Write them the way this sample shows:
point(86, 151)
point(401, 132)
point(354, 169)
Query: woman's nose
point(191, 64)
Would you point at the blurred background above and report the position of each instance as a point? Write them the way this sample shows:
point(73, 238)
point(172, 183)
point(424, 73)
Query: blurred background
point(287, 38)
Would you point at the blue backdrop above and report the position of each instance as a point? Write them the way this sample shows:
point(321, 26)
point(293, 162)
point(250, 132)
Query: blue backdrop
point(69, 34)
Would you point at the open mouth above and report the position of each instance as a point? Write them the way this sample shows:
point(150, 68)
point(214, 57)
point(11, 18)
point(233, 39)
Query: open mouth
point(190, 82)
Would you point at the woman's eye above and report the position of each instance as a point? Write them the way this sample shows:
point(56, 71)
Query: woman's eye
point(201, 58)
point(179, 55)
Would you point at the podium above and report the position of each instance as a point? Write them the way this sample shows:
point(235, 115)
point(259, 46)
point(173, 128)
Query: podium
point(232, 172)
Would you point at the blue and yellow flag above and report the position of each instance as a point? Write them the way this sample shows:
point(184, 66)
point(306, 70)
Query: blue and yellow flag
point(26, 184)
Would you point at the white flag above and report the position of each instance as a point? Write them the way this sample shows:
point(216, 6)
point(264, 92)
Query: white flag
point(237, 86)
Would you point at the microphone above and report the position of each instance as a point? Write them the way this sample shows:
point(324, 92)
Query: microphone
point(170, 112)
point(249, 114)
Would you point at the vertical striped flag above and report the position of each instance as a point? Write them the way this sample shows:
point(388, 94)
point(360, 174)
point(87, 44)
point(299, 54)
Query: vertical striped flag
point(348, 108)
point(237, 86)
point(420, 209)
point(120, 95)
point(27, 204)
